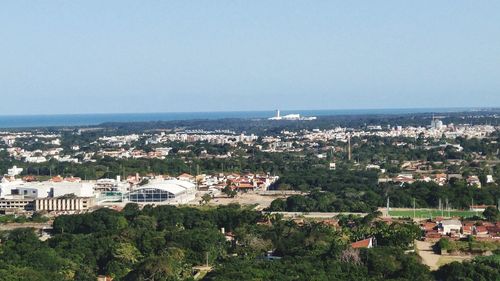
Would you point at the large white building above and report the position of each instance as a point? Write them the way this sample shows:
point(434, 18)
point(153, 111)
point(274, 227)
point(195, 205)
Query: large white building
point(64, 204)
point(291, 117)
point(44, 189)
point(163, 192)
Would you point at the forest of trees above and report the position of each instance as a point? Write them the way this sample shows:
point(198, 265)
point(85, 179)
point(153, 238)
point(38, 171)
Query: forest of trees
point(359, 191)
point(165, 242)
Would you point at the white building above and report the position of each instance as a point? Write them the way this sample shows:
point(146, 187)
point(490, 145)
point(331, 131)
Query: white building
point(436, 124)
point(291, 117)
point(64, 204)
point(14, 171)
point(450, 226)
point(164, 192)
point(489, 179)
point(45, 189)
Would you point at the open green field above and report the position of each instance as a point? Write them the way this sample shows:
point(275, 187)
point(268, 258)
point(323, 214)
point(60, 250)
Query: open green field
point(432, 213)
point(449, 259)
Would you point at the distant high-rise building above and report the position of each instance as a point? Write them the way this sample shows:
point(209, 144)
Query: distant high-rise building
point(436, 123)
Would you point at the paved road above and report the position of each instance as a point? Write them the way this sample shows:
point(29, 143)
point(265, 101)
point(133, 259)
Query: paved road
point(315, 214)
point(11, 226)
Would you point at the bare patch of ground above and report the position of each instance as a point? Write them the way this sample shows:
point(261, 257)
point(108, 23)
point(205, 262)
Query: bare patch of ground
point(433, 260)
point(427, 254)
point(249, 198)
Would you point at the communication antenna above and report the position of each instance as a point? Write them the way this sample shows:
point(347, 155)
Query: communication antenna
point(414, 208)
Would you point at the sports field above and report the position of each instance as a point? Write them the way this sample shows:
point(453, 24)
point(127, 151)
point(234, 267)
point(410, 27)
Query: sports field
point(432, 213)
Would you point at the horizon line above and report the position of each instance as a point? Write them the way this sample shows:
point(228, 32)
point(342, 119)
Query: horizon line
point(264, 110)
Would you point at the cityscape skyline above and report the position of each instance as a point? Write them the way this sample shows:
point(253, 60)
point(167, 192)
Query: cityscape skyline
point(249, 140)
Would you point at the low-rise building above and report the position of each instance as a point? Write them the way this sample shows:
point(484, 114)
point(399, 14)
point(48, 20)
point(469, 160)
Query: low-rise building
point(451, 226)
point(473, 181)
point(17, 204)
point(366, 243)
point(65, 203)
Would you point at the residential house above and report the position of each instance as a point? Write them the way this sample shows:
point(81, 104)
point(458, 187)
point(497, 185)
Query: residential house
point(366, 243)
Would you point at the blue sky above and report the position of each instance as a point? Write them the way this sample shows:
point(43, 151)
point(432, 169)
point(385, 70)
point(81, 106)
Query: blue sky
point(164, 56)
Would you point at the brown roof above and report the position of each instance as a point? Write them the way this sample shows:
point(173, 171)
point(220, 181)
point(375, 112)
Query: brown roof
point(245, 185)
point(361, 244)
point(433, 234)
point(57, 179)
point(481, 229)
point(186, 175)
point(429, 226)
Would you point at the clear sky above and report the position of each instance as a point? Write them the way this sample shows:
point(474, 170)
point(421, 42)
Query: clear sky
point(162, 56)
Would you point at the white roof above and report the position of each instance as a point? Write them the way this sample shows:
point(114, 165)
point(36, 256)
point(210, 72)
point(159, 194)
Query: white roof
point(451, 222)
point(172, 186)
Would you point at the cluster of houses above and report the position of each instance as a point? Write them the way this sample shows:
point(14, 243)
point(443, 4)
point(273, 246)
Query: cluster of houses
point(214, 137)
point(157, 153)
point(440, 179)
point(39, 155)
point(237, 182)
point(456, 229)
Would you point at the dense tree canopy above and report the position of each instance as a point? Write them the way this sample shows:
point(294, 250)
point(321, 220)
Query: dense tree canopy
point(165, 242)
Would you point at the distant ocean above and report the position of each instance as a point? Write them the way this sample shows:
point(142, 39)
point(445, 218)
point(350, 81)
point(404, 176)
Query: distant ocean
point(24, 121)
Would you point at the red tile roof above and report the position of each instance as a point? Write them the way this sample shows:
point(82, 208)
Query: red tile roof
point(245, 185)
point(428, 226)
point(186, 175)
point(366, 243)
point(481, 229)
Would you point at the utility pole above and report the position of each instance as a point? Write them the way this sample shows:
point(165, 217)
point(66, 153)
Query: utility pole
point(447, 206)
point(441, 207)
point(196, 177)
point(414, 208)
